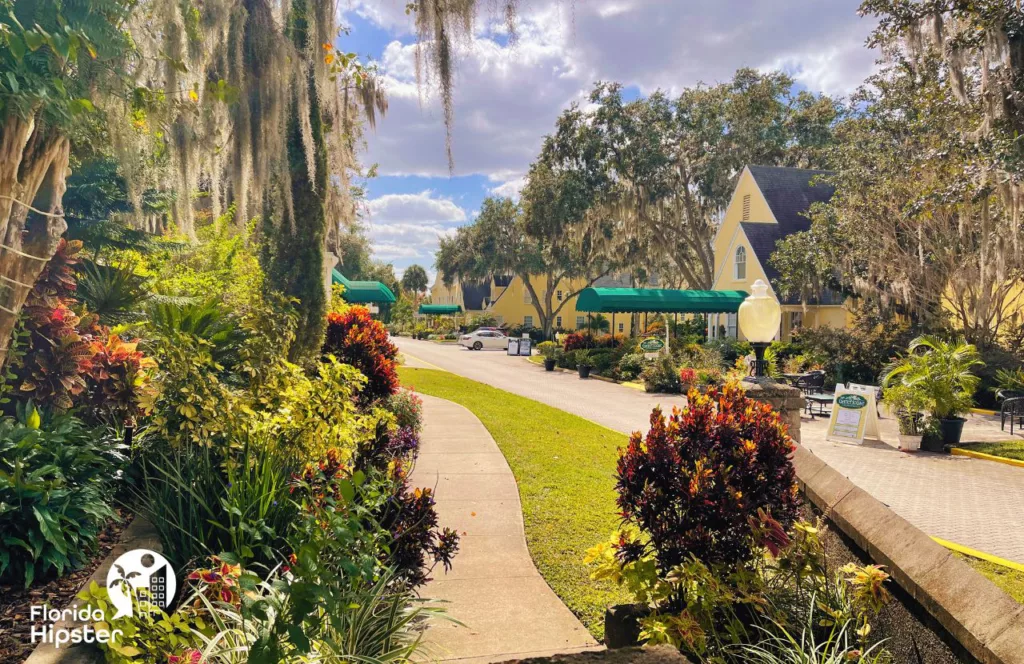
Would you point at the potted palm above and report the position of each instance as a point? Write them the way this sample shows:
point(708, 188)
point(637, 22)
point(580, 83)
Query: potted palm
point(940, 374)
point(549, 351)
point(583, 363)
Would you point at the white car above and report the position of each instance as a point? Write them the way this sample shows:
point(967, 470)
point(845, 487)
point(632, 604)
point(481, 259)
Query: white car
point(483, 338)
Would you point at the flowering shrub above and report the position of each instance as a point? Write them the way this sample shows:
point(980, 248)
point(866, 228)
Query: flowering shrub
point(662, 375)
point(687, 378)
point(407, 407)
point(709, 377)
point(575, 341)
point(357, 339)
point(699, 482)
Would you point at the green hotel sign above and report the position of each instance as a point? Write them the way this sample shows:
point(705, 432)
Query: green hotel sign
point(851, 401)
point(652, 345)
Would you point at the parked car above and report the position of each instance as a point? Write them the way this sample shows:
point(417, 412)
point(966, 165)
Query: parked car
point(484, 338)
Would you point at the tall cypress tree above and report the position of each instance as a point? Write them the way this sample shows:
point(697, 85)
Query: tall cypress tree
point(294, 247)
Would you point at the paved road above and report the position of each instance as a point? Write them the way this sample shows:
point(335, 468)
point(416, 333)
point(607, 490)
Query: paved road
point(975, 503)
point(616, 407)
point(506, 609)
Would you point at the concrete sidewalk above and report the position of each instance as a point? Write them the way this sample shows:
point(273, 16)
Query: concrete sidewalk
point(508, 610)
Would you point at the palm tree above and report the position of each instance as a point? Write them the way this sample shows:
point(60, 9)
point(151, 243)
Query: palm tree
point(942, 372)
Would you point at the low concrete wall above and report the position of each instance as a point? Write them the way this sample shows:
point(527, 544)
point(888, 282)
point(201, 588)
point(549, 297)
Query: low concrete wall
point(987, 622)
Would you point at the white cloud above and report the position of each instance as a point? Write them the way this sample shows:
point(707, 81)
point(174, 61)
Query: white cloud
point(414, 207)
point(509, 189)
point(406, 228)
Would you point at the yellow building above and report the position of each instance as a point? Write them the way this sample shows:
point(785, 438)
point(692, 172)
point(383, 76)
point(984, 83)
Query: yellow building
point(509, 300)
point(770, 203)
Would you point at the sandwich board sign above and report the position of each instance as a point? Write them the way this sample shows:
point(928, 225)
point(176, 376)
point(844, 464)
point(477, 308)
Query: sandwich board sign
point(853, 417)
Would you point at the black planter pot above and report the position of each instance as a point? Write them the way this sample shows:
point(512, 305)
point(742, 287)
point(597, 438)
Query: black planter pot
point(584, 371)
point(549, 364)
point(951, 430)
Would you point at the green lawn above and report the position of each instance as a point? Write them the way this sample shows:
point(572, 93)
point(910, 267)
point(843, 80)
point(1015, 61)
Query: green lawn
point(1010, 449)
point(565, 468)
point(1009, 580)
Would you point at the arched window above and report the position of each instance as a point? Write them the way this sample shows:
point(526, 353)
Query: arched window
point(741, 263)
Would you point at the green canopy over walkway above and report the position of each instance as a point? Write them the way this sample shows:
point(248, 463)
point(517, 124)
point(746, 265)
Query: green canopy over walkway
point(363, 292)
point(659, 300)
point(440, 309)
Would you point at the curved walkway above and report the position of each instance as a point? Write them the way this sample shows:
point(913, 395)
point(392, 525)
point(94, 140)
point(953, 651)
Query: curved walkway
point(507, 609)
point(972, 502)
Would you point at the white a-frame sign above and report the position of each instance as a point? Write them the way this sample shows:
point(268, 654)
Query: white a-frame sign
point(854, 416)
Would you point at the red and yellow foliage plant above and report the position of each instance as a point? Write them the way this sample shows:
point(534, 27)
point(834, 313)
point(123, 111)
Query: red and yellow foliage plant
point(354, 337)
point(702, 482)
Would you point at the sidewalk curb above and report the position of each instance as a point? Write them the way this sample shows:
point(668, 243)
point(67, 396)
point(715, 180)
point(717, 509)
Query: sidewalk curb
point(959, 451)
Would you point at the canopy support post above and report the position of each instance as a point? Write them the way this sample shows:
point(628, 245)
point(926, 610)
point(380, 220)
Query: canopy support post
point(613, 329)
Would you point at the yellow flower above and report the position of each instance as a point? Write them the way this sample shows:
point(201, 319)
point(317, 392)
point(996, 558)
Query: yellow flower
point(193, 95)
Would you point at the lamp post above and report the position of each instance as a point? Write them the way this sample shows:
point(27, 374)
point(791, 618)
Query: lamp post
point(759, 318)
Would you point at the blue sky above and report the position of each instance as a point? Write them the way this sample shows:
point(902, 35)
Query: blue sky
point(507, 97)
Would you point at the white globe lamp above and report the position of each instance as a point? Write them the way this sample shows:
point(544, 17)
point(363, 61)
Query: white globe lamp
point(759, 318)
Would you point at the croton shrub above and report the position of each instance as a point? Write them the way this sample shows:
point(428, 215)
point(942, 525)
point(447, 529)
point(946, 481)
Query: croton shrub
point(355, 338)
point(68, 358)
point(702, 481)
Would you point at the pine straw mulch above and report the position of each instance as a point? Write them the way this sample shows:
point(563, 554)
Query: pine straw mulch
point(15, 600)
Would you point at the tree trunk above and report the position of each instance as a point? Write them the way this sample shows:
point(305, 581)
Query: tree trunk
point(33, 172)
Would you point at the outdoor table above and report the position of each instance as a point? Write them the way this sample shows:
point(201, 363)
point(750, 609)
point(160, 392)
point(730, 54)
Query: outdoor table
point(820, 400)
point(792, 378)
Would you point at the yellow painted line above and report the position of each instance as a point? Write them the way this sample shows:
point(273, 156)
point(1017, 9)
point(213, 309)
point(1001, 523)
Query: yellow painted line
point(635, 386)
point(974, 553)
point(959, 451)
point(982, 411)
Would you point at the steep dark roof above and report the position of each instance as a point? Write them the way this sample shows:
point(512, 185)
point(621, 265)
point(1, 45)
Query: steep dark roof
point(473, 295)
point(789, 192)
point(762, 238)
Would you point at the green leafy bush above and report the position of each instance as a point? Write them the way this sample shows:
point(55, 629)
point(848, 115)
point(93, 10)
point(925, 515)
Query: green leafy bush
point(661, 376)
point(632, 365)
point(55, 492)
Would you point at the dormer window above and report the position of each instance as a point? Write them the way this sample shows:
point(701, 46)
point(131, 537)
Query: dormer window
point(741, 263)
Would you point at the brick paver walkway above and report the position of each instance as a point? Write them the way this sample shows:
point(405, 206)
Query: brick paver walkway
point(506, 609)
point(975, 503)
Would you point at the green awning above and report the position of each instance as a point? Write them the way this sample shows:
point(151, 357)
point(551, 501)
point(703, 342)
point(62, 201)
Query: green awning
point(361, 292)
point(440, 309)
point(611, 300)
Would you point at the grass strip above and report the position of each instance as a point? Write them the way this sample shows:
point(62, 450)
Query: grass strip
point(1009, 449)
point(1011, 581)
point(565, 468)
